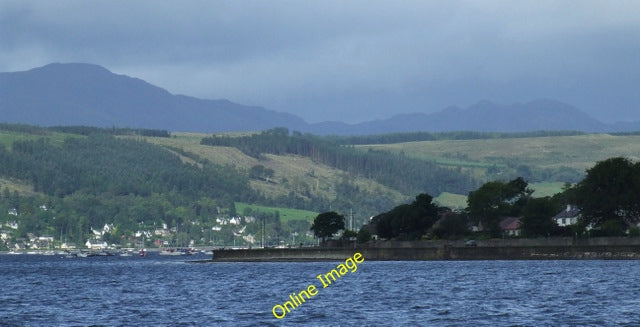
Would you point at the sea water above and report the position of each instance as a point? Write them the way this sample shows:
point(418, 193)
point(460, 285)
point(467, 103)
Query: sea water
point(171, 291)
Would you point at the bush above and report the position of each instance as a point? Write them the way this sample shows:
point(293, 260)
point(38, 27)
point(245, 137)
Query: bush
point(364, 235)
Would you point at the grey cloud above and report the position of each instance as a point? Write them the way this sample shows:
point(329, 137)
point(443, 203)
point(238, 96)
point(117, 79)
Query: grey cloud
point(352, 60)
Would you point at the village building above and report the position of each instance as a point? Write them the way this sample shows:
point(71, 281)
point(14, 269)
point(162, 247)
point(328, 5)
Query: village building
point(95, 244)
point(567, 217)
point(511, 226)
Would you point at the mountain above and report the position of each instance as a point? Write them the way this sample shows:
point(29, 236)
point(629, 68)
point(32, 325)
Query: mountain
point(85, 94)
point(484, 116)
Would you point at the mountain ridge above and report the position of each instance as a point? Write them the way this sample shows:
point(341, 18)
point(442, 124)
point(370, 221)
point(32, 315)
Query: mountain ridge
point(89, 94)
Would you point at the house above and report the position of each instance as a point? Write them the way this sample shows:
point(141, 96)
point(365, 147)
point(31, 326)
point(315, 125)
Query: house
point(162, 232)
point(48, 239)
point(5, 235)
point(95, 244)
point(44, 241)
point(510, 226)
point(567, 217)
point(32, 237)
point(68, 246)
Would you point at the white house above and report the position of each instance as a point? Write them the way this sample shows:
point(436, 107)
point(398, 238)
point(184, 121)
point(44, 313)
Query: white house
point(95, 244)
point(68, 246)
point(45, 238)
point(511, 226)
point(569, 216)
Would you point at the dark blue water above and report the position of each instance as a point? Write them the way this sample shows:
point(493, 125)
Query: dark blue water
point(166, 291)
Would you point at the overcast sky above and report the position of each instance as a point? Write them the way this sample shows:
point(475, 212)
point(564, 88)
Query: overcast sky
point(347, 60)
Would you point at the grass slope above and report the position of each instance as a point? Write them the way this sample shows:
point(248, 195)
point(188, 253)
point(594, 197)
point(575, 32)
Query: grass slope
point(579, 152)
point(291, 173)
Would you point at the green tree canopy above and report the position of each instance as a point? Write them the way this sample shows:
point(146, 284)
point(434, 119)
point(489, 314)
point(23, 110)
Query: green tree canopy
point(610, 192)
point(495, 200)
point(408, 221)
point(536, 217)
point(327, 223)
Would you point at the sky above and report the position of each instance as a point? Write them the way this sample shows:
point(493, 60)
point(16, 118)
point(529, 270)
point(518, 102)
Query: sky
point(349, 61)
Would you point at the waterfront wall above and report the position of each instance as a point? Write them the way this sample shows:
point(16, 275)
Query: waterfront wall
point(537, 249)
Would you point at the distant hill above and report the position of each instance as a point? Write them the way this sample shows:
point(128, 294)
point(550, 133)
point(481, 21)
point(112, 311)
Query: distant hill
point(86, 94)
point(484, 116)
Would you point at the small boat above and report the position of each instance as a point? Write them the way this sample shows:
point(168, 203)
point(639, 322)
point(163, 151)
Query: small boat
point(143, 252)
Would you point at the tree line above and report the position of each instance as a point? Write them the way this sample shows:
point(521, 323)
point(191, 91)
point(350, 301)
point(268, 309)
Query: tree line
point(607, 198)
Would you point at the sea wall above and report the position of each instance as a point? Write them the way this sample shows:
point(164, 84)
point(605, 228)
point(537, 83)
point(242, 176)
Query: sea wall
point(540, 249)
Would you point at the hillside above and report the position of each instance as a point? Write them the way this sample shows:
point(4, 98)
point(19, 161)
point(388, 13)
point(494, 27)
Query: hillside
point(577, 152)
point(292, 173)
point(546, 162)
point(90, 177)
point(86, 178)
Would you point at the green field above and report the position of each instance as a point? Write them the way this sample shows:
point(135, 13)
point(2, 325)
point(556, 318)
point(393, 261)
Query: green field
point(579, 152)
point(546, 189)
point(459, 201)
point(286, 214)
point(450, 200)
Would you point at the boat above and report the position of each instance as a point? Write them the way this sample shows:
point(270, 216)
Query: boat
point(143, 252)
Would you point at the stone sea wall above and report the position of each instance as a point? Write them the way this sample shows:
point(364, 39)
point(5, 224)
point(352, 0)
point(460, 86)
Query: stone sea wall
point(517, 249)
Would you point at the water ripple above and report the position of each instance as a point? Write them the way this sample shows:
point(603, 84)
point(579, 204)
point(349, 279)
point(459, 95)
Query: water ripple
point(51, 291)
